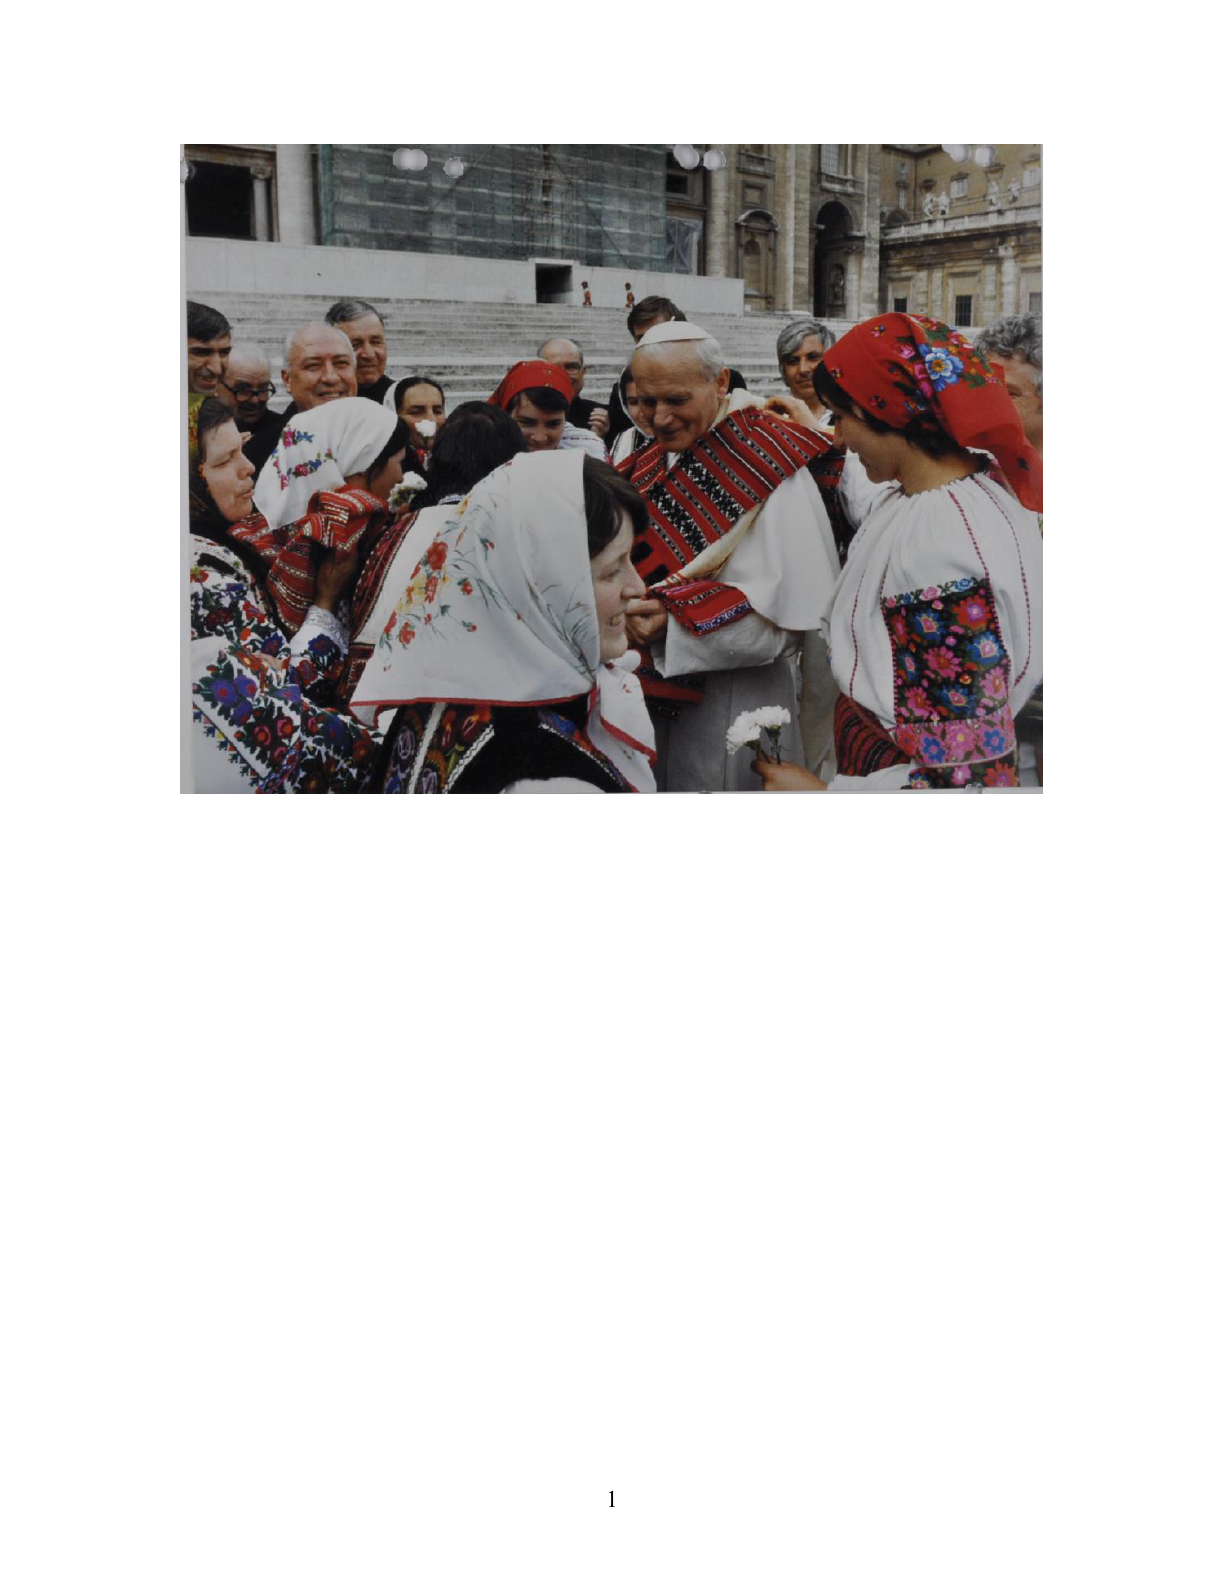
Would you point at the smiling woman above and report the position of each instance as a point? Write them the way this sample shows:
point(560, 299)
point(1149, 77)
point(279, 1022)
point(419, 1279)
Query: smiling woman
point(506, 656)
point(268, 597)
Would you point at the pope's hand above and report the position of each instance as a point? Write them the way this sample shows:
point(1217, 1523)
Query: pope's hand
point(778, 776)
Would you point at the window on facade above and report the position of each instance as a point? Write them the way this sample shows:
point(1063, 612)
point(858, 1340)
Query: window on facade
point(900, 304)
point(902, 170)
point(831, 159)
point(964, 310)
point(1034, 302)
point(902, 193)
point(960, 187)
point(683, 245)
point(1032, 175)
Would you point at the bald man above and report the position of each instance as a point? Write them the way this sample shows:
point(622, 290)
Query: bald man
point(320, 366)
point(568, 355)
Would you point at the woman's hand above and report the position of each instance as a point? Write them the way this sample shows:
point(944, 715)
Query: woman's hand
point(645, 620)
point(779, 776)
point(334, 577)
point(791, 410)
point(598, 422)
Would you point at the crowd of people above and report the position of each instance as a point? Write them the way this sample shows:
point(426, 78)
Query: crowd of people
point(545, 592)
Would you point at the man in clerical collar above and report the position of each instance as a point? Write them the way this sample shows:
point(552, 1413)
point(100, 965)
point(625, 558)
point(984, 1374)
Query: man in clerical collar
point(363, 324)
point(738, 557)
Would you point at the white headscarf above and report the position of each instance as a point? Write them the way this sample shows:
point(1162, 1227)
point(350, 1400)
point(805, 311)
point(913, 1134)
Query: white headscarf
point(501, 610)
point(318, 450)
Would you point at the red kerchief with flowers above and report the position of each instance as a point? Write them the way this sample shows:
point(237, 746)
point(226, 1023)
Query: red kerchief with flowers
point(902, 368)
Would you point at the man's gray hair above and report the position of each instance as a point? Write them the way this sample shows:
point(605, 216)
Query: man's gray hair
point(570, 339)
point(796, 333)
point(710, 356)
point(248, 352)
point(1018, 335)
point(351, 308)
point(312, 324)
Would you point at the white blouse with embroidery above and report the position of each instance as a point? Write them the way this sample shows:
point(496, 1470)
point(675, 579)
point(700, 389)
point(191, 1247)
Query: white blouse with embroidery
point(935, 628)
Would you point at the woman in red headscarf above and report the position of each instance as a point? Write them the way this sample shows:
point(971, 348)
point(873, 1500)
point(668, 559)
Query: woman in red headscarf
point(537, 396)
point(934, 633)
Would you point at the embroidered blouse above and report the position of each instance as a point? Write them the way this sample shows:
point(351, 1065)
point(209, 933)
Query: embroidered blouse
point(935, 629)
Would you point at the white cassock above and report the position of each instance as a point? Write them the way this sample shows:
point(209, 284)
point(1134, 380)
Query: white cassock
point(786, 564)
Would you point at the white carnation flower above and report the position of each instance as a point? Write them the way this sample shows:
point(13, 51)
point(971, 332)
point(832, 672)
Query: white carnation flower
point(743, 732)
point(746, 729)
point(411, 484)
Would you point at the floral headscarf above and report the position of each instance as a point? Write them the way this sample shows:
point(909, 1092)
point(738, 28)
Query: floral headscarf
point(901, 367)
point(501, 610)
point(530, 375)
point(318, 450)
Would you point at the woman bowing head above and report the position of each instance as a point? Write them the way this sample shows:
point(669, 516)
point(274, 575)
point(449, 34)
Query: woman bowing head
point(506, 657)
point(934, 633)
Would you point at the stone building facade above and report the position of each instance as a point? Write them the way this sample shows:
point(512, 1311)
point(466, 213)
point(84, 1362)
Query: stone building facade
point(841, 230)
point(959, 239)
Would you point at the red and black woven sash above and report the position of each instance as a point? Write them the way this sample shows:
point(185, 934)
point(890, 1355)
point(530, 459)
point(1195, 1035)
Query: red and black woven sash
point(860, 742)
point(337, 520)
point(733, 468)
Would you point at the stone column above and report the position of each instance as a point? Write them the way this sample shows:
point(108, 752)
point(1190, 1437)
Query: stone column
point(990, 292)
point(784, 294)
point(936, 288)
point(1010, 286)
point(869, 283)
point(854, 270)
point(297, 221)
point(263, 210)
point(802, 244)
point(720, 189)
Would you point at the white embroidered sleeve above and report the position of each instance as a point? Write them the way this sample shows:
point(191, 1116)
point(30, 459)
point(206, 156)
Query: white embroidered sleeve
point(320, 623)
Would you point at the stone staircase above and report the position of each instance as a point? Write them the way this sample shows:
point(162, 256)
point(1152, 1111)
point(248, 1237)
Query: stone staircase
point(467, 347)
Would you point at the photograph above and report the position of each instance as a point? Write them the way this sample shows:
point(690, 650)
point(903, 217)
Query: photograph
point(613, 467)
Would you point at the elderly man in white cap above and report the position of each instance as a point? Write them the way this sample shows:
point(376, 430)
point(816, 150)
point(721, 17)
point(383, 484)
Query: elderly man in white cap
point(738, 557)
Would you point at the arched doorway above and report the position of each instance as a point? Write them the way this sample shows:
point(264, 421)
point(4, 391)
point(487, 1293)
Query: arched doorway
point(831, 262)
point(756, 232)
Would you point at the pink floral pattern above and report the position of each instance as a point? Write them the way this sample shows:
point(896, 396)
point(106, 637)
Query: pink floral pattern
point(950, 685)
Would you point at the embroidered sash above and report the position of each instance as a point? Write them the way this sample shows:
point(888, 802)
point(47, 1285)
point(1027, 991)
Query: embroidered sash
point(731, 470)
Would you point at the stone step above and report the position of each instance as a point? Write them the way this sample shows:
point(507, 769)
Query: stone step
point(467, 347)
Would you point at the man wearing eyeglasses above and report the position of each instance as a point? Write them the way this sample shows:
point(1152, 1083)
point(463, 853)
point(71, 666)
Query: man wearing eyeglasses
point(246, 388)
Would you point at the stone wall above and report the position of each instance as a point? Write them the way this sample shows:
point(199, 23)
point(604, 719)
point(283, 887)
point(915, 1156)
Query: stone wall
point(219, 265)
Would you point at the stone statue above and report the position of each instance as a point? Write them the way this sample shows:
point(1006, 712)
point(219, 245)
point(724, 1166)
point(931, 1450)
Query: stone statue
point(928, 206)
point(837, 290)
point(1013, 191)
point(943, 204)
point(992, 194)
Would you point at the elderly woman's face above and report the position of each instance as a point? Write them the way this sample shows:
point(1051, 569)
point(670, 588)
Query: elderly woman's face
point(799, 365)
point(615, 583)
point(227, 473)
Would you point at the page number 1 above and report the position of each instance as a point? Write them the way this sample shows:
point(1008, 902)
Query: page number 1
point(611, 1494)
